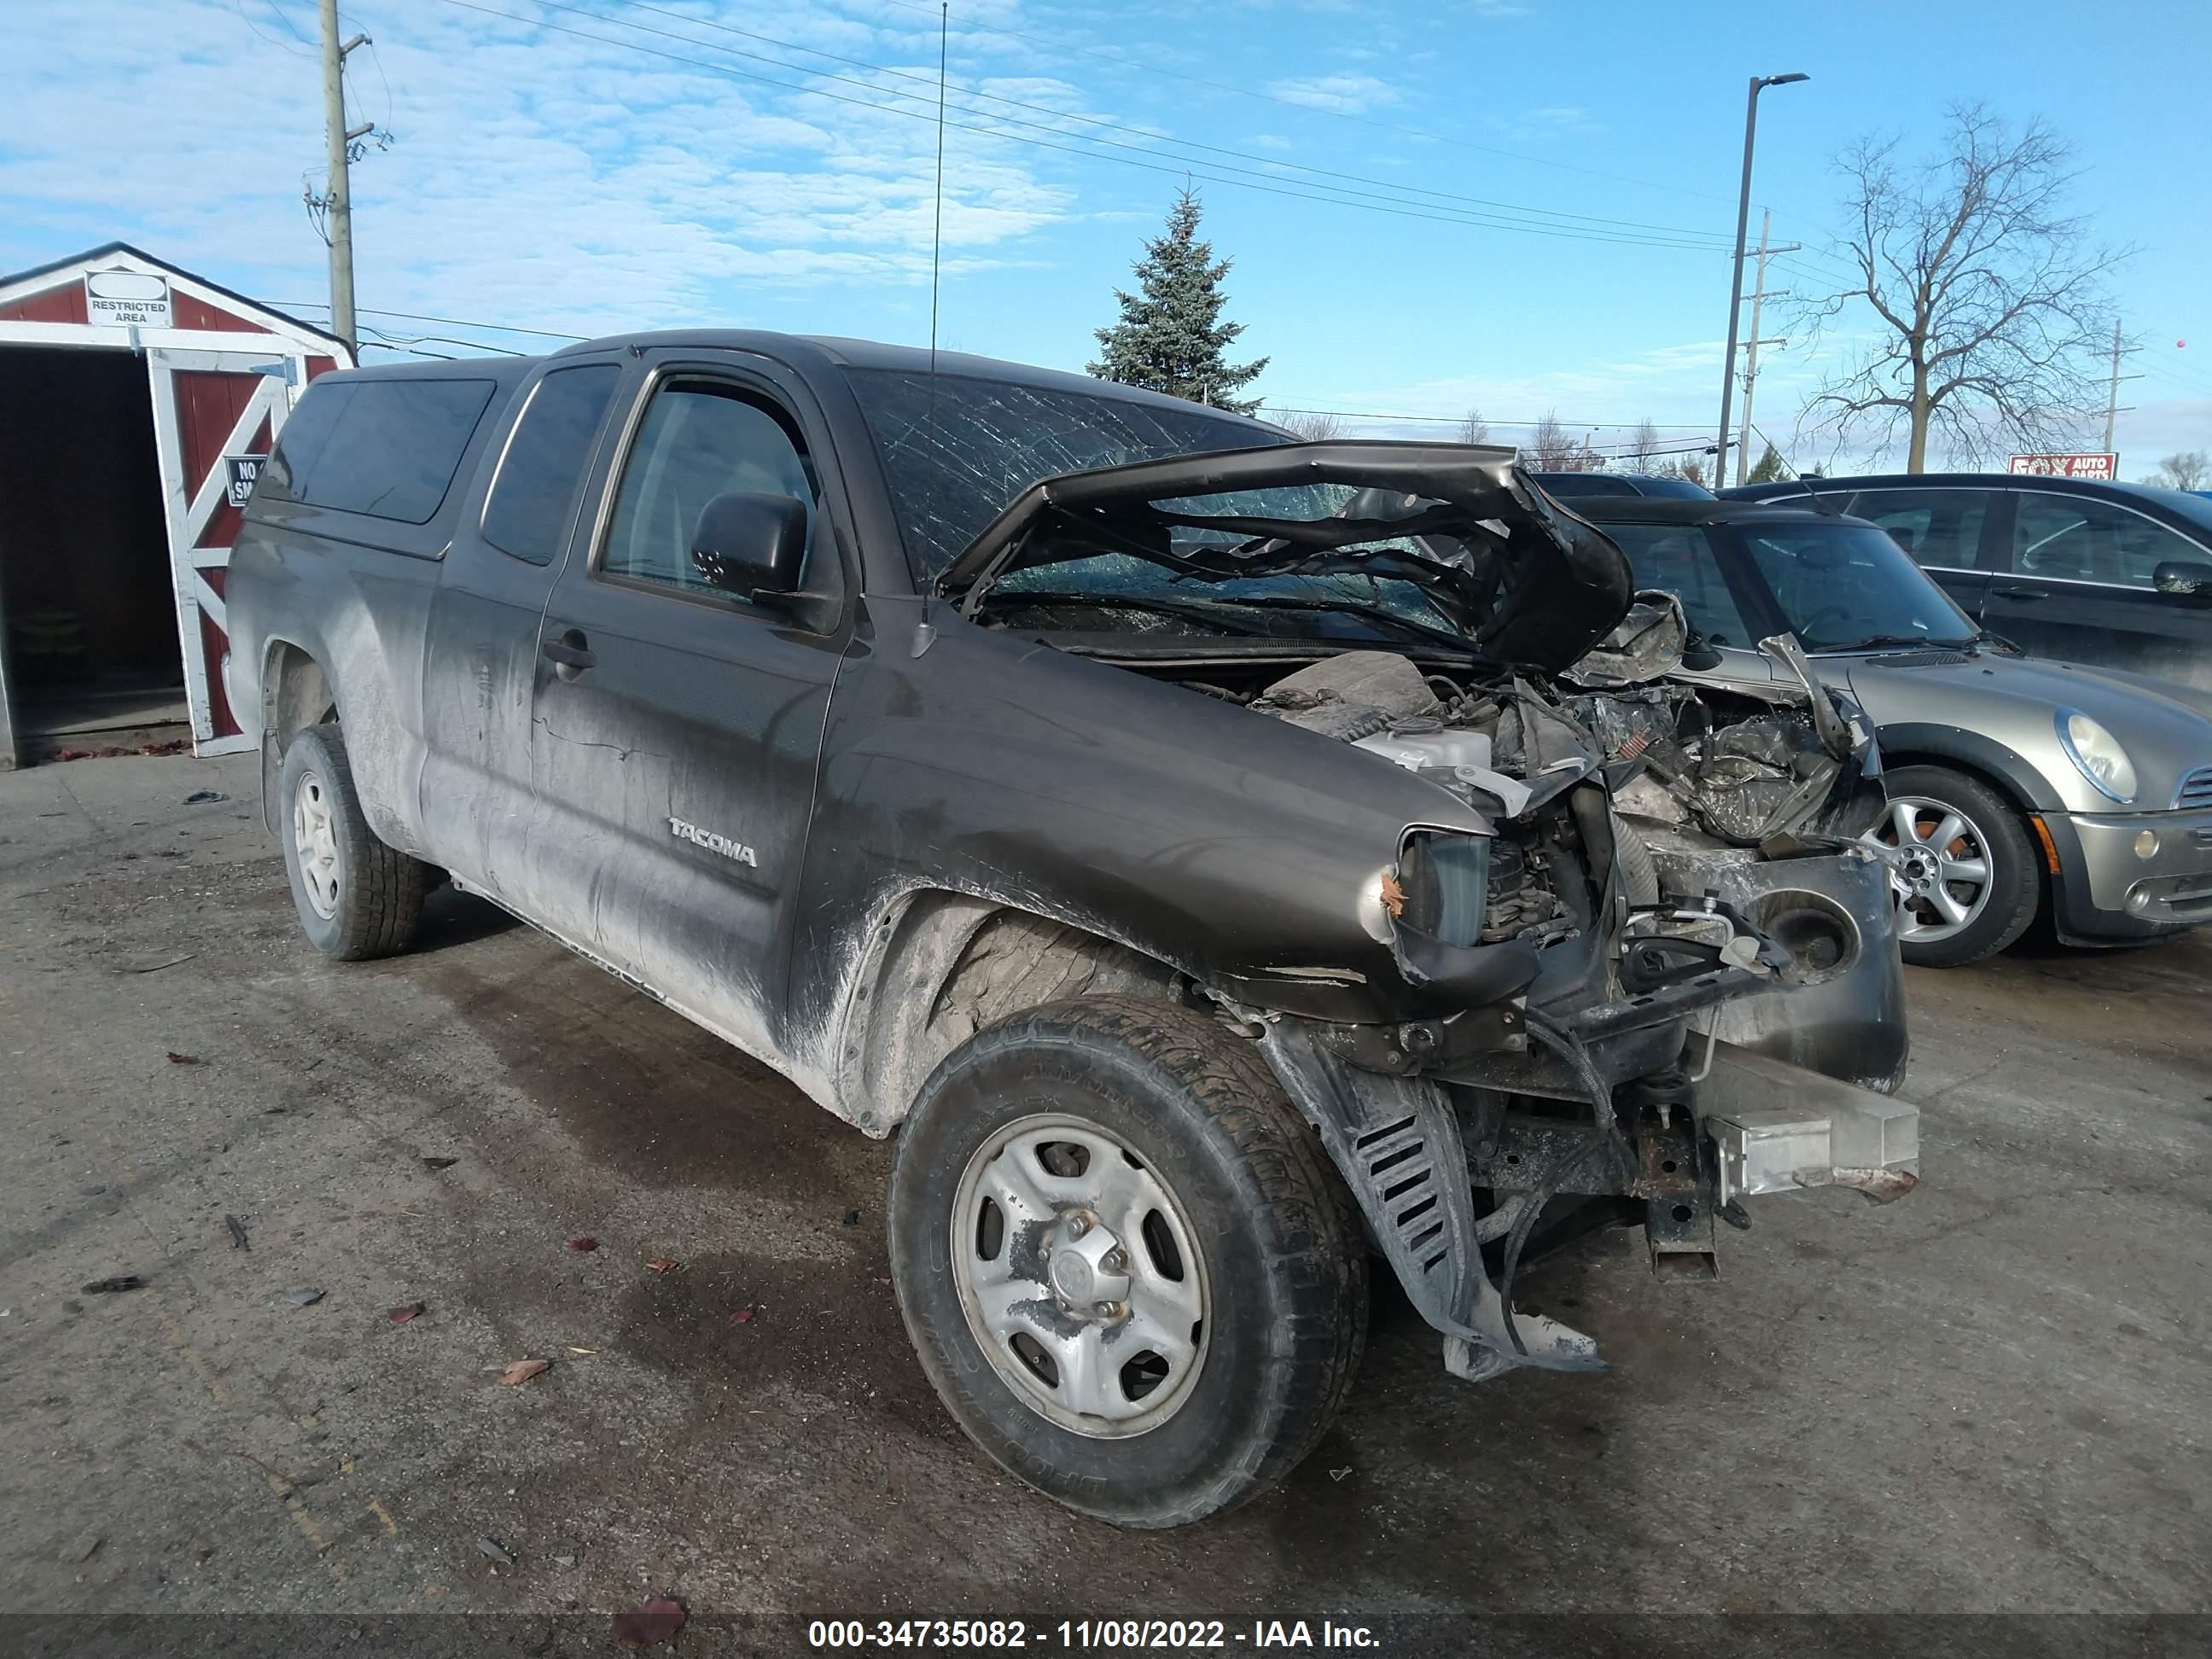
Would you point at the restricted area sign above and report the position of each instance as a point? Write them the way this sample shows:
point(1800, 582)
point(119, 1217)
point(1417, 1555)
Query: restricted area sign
point(2068, 466)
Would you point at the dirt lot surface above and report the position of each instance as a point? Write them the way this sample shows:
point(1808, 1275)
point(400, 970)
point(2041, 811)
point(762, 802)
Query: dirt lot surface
point(1992, 1397)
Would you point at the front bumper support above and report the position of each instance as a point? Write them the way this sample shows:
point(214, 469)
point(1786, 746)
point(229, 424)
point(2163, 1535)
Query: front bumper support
point(1779, 1129)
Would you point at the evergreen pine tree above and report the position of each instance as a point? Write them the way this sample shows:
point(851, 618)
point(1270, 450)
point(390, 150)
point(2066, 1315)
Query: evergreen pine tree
point(1170, 338)
point(1769, 467)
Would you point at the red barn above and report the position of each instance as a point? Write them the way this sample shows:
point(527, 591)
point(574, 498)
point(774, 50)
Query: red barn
point(136, 403)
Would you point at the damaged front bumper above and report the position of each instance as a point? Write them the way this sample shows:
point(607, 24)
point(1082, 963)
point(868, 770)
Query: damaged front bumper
point(1453, 1179)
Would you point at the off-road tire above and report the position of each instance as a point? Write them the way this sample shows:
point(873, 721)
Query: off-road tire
point(380, 889)
point(2014, 886)
point(1285, 1255)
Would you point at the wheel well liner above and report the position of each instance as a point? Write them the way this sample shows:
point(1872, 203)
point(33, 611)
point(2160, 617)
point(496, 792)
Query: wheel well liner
point(944, 966)
point(2007, 771)
point(296, 694)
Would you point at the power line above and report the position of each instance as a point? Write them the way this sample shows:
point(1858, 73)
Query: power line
point(1273, 163)
point(1495, 420)
point(419, 317)
point(1347, 198)
point(1117, 59)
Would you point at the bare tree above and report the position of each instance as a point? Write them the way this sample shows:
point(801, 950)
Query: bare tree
point(2187, 469)
point(1475, 430)
point(1690, 468)
point(1644, 444)
point(1987, 299)
point(1551, 447)
point(1314, 427)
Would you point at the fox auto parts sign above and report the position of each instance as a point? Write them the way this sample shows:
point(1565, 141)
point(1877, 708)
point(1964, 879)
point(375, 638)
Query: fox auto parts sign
point(2106, 467)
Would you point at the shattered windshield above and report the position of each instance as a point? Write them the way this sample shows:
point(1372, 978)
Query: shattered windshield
point(1850, 587)
point(957, 449)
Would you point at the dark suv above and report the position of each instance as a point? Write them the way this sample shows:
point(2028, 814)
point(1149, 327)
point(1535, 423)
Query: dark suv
point(2117, 575)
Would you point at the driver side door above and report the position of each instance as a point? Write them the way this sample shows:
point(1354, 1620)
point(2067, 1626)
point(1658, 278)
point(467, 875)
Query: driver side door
point(676, 728)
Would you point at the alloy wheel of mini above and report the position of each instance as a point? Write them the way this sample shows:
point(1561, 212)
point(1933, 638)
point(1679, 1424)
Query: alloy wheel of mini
point(1942, 879)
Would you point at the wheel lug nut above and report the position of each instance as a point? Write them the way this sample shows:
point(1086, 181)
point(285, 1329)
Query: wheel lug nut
point(1077, 1226)
point(1105, 1309)
point(1117, 1260)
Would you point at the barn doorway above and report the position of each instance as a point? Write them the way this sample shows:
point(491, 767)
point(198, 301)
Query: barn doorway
point(85, 569)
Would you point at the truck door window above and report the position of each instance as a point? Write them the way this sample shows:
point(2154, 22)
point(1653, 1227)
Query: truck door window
point(543, 471)
point(1678, 559)
point(697, 440)
point(2077, 539)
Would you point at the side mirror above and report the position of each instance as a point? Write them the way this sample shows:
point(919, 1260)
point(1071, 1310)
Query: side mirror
point(751, 545)
point(2184, 579)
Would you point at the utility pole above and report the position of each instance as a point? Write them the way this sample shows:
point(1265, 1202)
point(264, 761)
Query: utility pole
point(338, 201)
point(1759, 84)
point(1751, 351)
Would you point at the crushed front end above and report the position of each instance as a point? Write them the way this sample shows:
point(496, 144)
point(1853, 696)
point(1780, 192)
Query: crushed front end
point(1667, 983)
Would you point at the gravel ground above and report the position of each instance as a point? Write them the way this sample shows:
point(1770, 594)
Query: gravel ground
point(1989, 1397)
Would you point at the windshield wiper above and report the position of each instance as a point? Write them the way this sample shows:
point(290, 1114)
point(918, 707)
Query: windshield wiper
point(1890, 641)
point(1196, 610)
point(1373, 613)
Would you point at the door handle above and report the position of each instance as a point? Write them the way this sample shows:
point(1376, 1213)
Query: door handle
point(568, 653)
point(2020, 593)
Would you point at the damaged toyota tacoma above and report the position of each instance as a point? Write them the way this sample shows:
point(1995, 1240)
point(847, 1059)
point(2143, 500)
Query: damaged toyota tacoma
point(1219, 860)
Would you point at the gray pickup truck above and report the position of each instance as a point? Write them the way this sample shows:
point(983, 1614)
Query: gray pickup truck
point(1219, 859)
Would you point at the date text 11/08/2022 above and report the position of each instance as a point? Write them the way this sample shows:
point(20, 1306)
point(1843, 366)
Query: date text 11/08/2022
point(1086, 1634)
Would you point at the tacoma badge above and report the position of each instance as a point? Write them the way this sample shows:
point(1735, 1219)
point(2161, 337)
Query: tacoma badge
point(713, 842)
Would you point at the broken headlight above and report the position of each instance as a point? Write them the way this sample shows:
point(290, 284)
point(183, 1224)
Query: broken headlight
point(1446, 882)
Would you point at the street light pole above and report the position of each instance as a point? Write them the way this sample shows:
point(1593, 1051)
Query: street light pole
point(1759, 84)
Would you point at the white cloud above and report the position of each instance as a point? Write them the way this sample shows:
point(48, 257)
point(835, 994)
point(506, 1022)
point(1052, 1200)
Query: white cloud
point(1340, 95)
point(535, 176)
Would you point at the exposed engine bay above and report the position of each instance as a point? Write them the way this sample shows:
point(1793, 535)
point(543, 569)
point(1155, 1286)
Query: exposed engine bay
point(1639, 958)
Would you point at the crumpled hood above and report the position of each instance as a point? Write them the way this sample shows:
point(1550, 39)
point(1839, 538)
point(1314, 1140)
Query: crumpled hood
point(2166, 729)
point(1529, 582)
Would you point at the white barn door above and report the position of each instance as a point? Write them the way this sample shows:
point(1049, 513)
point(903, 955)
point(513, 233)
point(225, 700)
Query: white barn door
point(215, 412)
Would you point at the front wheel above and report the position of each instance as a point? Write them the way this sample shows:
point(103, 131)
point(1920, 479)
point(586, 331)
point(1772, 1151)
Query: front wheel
point(1129, 1269)
point(1967, 884)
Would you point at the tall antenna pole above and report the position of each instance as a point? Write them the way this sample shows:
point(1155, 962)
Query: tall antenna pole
point(339, 200)
point(937, 235)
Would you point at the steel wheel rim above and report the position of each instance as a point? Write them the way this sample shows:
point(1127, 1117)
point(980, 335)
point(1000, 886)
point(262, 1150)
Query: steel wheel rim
point(1073, 1294)
point(1941, 880)
point(314, 838)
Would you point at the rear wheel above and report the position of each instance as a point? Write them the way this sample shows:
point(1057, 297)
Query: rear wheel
point(1967, 885)
point(357, 897)
point(1129, 1269)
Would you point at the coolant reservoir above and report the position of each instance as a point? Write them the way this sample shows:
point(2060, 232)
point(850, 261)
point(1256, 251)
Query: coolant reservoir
point(1426, 743)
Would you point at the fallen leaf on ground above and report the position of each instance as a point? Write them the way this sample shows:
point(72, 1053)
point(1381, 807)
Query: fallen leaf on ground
point(653, 1621)
point(583, 1243)
point(489, 1548)
point(661, 1264)
point(439, 1163)
point(237, 1233)
point(400, 1316)
point(176, 1059)
point(305, 1296)
point(114, 1282)
point(743, 1316)
point(583, 1350)
point(521, 1371)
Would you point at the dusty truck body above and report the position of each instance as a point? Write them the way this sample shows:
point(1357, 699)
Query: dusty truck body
point(1213, 856)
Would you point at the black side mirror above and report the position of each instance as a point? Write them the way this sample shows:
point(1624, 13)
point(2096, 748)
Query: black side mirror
point(2184, 579)
point(751, 544)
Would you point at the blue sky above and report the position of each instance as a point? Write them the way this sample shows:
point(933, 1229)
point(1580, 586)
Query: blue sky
point(638, 179)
